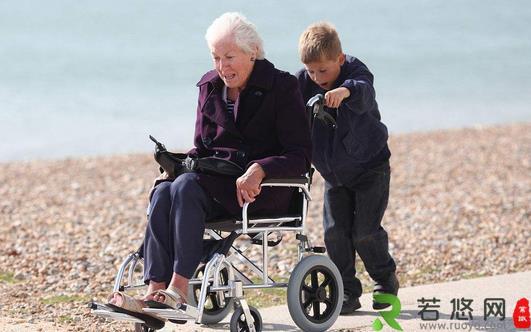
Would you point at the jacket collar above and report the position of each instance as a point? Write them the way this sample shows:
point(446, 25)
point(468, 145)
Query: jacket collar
point(261, 76)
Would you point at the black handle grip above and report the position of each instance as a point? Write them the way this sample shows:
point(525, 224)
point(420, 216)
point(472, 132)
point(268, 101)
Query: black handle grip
point(317, 100)
point(160, 146)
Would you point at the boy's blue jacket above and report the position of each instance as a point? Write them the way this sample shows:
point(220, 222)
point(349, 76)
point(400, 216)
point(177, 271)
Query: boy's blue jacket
point(359, 141)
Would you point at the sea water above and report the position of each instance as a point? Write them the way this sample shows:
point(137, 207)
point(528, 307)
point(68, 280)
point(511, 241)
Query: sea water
point(97, 77)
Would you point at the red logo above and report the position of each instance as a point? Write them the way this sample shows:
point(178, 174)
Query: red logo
point(521, 317)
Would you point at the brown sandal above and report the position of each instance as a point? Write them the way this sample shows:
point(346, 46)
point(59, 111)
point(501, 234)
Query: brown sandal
point(129, 303)
point(173, 298)
point(133, 307)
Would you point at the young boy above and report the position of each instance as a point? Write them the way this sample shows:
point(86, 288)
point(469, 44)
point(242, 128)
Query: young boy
point(353, 158)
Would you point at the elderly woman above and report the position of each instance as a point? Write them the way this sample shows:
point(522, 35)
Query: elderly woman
point(248, 112)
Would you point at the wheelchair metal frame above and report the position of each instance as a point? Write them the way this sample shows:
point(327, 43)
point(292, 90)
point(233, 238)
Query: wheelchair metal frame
point(237, 281)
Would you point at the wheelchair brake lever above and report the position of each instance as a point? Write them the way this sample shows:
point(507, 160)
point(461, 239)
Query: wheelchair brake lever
point(160, 146)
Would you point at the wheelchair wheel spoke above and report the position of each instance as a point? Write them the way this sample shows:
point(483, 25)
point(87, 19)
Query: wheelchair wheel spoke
point(307, 289)
point(316, 309)
point(326, 282)
point(315, 280)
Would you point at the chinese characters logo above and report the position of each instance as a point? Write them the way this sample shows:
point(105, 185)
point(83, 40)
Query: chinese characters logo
point(521, 314)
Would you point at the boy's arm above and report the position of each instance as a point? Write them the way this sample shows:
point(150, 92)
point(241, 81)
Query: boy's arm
point(362, 95)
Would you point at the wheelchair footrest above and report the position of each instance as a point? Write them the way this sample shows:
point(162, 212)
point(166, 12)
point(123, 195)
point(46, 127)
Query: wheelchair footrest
point(102, 310)
point(185, 312)
point(116, 316)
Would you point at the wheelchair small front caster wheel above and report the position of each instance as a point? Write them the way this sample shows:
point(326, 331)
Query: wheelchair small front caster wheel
point(139, 327)
point(238, 323)
point(315, 293)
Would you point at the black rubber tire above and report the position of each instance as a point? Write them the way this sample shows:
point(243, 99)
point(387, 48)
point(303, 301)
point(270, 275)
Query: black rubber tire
point(238, 324)
point(214, 312)
point(139, 327)
point(315, 304)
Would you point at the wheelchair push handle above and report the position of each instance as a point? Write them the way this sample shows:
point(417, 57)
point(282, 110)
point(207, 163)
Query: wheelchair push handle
point(159, 146)
point(316, 105)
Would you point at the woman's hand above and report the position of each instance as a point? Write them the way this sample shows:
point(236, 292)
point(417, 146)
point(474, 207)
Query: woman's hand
point(248, 185)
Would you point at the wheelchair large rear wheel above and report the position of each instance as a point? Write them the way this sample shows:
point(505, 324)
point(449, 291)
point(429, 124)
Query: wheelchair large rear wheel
point(315, 293)
point(215, 308)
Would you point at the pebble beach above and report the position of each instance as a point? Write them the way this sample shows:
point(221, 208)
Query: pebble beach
point(459, 208)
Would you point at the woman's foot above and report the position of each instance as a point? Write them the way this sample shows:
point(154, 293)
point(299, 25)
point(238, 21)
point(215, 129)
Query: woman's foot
point(171, 298)
point(152, 288)
point(124, 301)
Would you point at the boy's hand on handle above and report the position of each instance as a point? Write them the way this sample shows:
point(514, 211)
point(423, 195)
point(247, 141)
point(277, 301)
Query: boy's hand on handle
point(333, 98)
point(248, 185)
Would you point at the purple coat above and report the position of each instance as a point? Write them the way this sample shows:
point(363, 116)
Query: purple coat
point(269, 127)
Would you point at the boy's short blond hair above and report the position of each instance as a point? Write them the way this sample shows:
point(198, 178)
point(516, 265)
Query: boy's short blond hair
point(318, 42)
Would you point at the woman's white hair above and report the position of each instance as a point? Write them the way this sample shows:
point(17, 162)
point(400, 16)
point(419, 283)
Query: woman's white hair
point(240, 28)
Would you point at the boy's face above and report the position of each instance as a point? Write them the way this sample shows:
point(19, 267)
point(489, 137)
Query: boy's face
point(325, 72)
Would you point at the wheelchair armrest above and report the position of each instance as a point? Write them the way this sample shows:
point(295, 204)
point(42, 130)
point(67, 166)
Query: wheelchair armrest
point(301, 182)
point(297, 180)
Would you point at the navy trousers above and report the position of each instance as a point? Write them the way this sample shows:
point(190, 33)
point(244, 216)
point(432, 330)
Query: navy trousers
point(174, 235)
point(352, 223)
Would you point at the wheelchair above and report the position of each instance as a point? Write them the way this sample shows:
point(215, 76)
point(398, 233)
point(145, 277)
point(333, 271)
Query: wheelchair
point(314, 290)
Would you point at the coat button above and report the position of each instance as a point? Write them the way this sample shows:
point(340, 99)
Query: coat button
point(258, 93)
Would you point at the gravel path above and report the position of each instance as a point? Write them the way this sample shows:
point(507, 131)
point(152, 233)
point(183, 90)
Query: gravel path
point(459, 208)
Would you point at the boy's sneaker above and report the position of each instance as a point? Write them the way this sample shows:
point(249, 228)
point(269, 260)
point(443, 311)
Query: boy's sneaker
point(389, 286)
point(350, 303)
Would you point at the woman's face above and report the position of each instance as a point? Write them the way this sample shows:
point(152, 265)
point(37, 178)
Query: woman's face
point(233, 65)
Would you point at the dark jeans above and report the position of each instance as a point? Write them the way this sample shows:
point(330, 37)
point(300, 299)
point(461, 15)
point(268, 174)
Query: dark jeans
point(352, 223)
point(174, 234)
